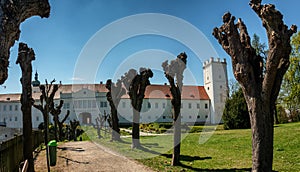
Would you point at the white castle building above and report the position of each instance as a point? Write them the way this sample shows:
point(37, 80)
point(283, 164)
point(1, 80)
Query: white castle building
point(200, 104)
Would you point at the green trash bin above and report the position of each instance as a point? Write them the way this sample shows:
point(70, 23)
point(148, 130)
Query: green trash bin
point(52, 152)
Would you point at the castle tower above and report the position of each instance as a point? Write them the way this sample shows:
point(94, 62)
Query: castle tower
point(216, 86)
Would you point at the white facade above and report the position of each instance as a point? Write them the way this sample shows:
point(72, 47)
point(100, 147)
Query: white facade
point(200, 104)
point(216, 86)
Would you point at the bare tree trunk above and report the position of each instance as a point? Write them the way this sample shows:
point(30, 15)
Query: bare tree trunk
point(177, 136)
point(115, 133)
point(26, 55)
point(262, 134)
point(55, 119)
point(12, 14)
point(260, 89)
point(46, 133)
point(136, 129)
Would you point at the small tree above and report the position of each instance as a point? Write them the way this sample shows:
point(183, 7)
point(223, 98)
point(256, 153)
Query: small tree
point(260, 88)
point(46, 103)
point(136, 85)
point(25, 57)
point(60, 126)
point(100, 120)
point(114, 94)
point(174, 71)
point(55, 112)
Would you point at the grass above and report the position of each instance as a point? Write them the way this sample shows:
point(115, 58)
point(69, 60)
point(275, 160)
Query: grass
point(212, 150)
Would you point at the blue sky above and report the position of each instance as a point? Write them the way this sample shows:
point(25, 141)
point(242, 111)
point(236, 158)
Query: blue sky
point(60, 40)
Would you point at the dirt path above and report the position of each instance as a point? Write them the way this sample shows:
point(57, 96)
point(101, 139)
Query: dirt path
point(87, 156)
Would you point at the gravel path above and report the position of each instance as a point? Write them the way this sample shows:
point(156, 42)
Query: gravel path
point(88, 156)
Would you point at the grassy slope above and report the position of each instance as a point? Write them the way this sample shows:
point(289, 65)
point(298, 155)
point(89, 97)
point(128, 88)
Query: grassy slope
point(225, 150)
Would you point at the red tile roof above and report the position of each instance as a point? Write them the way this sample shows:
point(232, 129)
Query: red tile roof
point(152, 91)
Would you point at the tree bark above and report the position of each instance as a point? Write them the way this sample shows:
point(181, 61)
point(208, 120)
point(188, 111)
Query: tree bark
point(177, 136)
point(12, 14)
point(136, 130)
point(25, 57)
point(260, 89)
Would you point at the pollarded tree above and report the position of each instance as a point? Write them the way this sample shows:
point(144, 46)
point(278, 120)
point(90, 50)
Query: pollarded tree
point(13, 13)
point(136, 85)
point(260, 89)
point(25, 57)
point(114, 94)
point(174, 71)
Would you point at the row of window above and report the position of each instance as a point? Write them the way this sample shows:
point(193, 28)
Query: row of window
point(82, 104)
point(10, 119)
point(79, 104)
point(10, 107)
point(190, 105)
point(169, 117)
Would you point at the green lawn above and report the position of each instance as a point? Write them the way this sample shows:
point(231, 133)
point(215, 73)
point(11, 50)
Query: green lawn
point(219, 150)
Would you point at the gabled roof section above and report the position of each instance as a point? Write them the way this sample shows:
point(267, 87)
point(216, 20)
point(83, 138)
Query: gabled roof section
point(188, 92)
point(152, 92)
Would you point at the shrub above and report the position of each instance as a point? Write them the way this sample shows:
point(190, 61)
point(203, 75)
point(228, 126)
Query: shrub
point(235, 114)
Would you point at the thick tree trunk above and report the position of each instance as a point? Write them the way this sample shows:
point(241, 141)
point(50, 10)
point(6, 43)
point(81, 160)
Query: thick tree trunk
point(115, 133)
point(136, 130)
point(262, 134)
point(260, 89)
point(25, 57)
point(177, 136)
point(12, 14)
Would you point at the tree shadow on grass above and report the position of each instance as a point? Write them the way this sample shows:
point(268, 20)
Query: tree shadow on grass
point(226, 170)
point(188, 158)
point(150, 145)
point(142, 148)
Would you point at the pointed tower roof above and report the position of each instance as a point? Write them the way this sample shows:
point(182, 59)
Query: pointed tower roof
point(36, 82)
